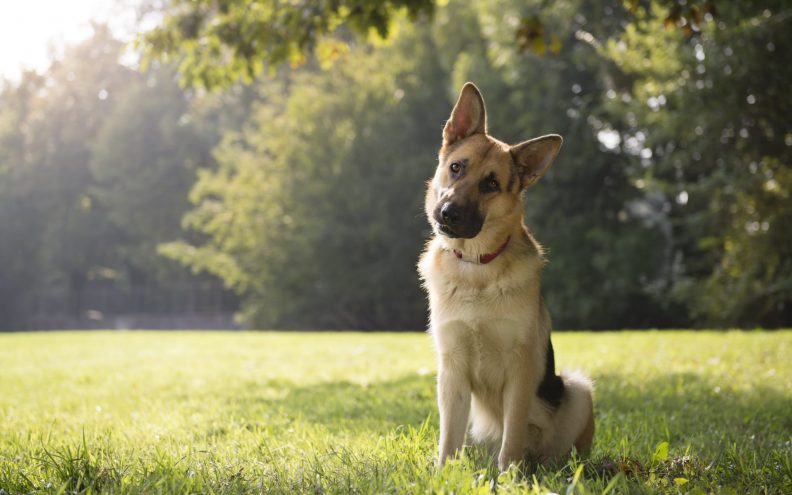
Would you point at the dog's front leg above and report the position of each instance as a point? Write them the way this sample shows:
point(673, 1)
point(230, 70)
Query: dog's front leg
point(517, 397)
point(453, 398)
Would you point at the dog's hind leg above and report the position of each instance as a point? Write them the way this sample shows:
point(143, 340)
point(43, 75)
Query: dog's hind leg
point(586, 437)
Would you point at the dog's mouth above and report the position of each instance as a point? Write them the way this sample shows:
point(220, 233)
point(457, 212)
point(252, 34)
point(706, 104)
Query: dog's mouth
point(446, 231)
point(466, 233)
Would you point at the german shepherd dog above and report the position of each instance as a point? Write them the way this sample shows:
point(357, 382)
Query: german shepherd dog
point(489, 324)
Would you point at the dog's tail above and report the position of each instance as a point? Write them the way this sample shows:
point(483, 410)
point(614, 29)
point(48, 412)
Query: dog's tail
point(573, 422)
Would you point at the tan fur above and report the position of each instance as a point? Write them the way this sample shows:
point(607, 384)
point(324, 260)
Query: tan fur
point(488, 322)
point(586, 439)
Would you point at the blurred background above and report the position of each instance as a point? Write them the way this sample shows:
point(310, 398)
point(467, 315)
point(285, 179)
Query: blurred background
point(262, 164)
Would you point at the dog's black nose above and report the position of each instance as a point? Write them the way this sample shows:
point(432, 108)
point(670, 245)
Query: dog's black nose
point(450, 213)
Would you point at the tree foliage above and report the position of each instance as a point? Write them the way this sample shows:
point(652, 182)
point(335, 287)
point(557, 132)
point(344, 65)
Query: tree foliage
point(222, 41)
point(709, 123)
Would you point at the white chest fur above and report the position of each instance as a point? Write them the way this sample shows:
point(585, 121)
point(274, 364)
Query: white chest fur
point(484, 316)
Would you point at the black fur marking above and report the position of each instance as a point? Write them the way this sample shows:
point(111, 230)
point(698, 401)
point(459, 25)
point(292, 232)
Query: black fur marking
point(551, 390)
point(512, 173)
point(484, 185)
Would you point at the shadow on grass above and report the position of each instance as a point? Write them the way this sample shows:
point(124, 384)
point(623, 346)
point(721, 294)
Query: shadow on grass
point(717, 434)
point(675, 407)
point(680, 407)
point(343, 405)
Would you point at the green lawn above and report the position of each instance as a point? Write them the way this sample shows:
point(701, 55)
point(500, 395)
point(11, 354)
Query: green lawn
point(147, 412)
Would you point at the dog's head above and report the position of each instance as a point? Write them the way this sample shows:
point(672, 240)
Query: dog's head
point(479, 180)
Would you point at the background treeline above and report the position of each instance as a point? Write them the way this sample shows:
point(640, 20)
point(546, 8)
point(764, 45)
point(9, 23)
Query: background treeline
point(96, 161)
point(298, 182)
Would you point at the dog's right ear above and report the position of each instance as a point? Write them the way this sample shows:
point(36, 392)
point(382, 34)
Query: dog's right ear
point(534, 157)
point(468, 117)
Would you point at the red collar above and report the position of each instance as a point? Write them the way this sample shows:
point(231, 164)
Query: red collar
point(486, 258)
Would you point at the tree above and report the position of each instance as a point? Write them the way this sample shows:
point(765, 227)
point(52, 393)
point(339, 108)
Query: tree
point(143, 161)
point(53, 229)
point(706, 111)
point(21, 220)
point(315, 211)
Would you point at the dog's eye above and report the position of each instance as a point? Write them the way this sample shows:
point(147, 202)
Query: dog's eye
point(489, 184)
point(455, 167)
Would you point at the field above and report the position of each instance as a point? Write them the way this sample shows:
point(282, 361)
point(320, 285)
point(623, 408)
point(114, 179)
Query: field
point(201, 412)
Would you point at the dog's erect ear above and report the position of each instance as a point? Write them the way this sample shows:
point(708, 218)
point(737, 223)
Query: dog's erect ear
point(468, 117)
point(534, 157)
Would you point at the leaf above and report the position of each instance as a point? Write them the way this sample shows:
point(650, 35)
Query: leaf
point(675, 13)
point(555, 43)
point(696, 15)
point(661, 452)
point(539, 46)
point(530, 35)
point(631, 6)
point(680, 481)
point(328, 51)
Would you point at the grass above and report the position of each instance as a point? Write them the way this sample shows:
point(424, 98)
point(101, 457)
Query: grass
point(182, 412)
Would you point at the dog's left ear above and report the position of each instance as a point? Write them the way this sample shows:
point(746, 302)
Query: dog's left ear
point(468, 117)
point(534, 157)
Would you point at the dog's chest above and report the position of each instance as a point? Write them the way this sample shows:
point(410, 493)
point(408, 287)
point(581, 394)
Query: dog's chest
point(483, 326)
point(498, 301)
point(493, 346)
point(485, 352)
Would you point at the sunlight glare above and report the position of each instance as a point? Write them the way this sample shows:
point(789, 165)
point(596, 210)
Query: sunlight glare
point(31, 32)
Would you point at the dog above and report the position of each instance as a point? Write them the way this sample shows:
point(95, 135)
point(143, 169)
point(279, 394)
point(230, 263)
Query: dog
point(489, 324)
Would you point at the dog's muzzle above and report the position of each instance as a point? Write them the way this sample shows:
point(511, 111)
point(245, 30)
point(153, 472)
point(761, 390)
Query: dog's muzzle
point(454, 220)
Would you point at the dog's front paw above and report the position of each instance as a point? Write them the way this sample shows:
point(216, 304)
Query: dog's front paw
point(506, 460)
point(443, 458)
